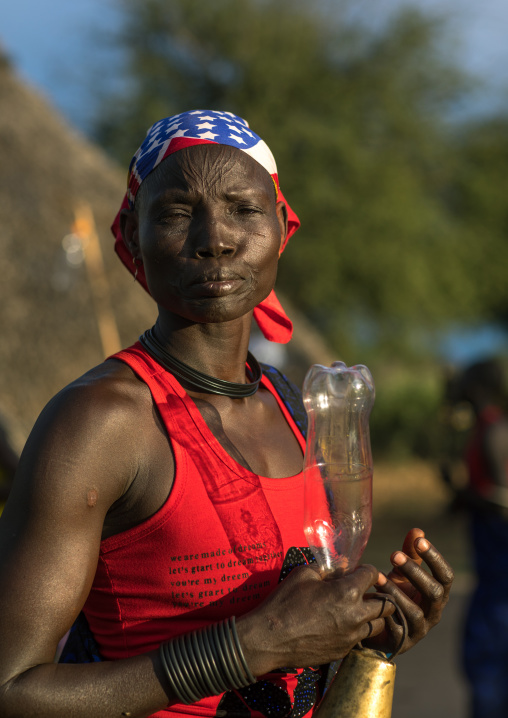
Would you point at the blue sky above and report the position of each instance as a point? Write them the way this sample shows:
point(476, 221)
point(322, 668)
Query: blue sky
point(55, 44)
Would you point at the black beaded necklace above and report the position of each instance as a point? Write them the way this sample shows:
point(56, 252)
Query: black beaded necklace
point(198, 380)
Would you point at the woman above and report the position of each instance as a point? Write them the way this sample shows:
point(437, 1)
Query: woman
point(161, 493)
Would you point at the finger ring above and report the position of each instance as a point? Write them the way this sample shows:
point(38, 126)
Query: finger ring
point(371, 628)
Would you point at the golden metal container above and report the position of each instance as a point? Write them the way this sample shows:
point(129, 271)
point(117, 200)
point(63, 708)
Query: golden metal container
point(361, 688)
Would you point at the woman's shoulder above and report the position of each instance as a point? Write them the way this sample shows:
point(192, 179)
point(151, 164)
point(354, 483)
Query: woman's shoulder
point(109, 384)
point(103, 405)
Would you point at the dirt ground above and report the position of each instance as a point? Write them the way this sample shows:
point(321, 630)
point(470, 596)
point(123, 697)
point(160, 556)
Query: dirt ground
point(428, 680)
point(412, 495)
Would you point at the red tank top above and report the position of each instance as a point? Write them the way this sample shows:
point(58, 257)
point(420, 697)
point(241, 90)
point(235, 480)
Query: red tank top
point(217, 547)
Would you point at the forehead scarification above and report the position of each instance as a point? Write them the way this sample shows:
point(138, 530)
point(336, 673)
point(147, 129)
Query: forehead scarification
point(205, 168)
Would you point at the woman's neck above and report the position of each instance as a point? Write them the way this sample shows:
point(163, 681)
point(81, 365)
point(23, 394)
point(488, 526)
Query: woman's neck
point(219, 350)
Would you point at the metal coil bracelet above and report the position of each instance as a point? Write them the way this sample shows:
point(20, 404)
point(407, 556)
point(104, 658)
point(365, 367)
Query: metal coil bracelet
point(205, 663)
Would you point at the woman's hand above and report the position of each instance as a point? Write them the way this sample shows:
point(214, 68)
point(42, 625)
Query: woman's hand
point(420, 595)
point(308, 621)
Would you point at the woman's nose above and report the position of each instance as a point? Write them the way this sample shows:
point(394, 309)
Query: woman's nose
point(213, 238)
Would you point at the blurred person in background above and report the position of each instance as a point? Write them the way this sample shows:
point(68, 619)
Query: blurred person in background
point(485, 498)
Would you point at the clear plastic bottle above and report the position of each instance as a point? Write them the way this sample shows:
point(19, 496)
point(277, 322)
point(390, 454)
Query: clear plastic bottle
point(338, 464)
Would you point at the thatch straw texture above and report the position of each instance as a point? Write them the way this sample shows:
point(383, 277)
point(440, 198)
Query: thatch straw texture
point(49, 332)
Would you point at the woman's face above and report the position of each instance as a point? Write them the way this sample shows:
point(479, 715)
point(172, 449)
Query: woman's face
point(209, 231)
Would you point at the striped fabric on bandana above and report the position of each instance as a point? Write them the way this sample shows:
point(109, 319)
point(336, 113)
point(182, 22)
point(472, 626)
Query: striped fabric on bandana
point(205, 127)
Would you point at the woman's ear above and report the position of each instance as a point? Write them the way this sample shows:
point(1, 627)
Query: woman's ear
point(282, 216)
point(129, 224)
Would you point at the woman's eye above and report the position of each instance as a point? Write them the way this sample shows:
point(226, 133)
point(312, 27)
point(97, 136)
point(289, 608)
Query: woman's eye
point(172, 215)
point(248, 209)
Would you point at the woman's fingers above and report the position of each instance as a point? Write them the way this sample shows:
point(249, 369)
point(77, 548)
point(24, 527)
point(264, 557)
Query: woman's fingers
point(409, 546)
point(413, 612)
point(364, 577)
point(420, 595)
point(439, 566)
point(337, 615)
point(380, 606)
point(433, 588)
point(373, 628)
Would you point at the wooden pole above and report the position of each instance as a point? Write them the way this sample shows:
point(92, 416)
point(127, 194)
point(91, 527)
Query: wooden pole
point(84, 228)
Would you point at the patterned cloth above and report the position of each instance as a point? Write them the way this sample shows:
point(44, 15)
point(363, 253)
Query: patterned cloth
point(206, 127)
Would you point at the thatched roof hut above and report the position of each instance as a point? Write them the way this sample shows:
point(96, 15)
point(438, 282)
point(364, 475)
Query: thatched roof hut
point(49, 329)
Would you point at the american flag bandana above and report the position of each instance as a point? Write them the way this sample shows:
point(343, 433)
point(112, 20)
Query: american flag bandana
point(205, 127)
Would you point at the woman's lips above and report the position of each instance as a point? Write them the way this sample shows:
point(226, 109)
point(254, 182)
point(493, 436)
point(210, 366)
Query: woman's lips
point(218, 289)
point(217, 286)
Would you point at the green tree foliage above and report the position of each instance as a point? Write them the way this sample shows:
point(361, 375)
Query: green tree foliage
point(403, 211)
point(355, 119)
point(480, 203)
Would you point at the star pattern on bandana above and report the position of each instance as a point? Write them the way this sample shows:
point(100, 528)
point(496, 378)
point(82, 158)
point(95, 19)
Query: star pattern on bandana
point(207, 136)
point(201, 125)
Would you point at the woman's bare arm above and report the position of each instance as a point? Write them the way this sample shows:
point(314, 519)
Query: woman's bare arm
point(78, 461)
